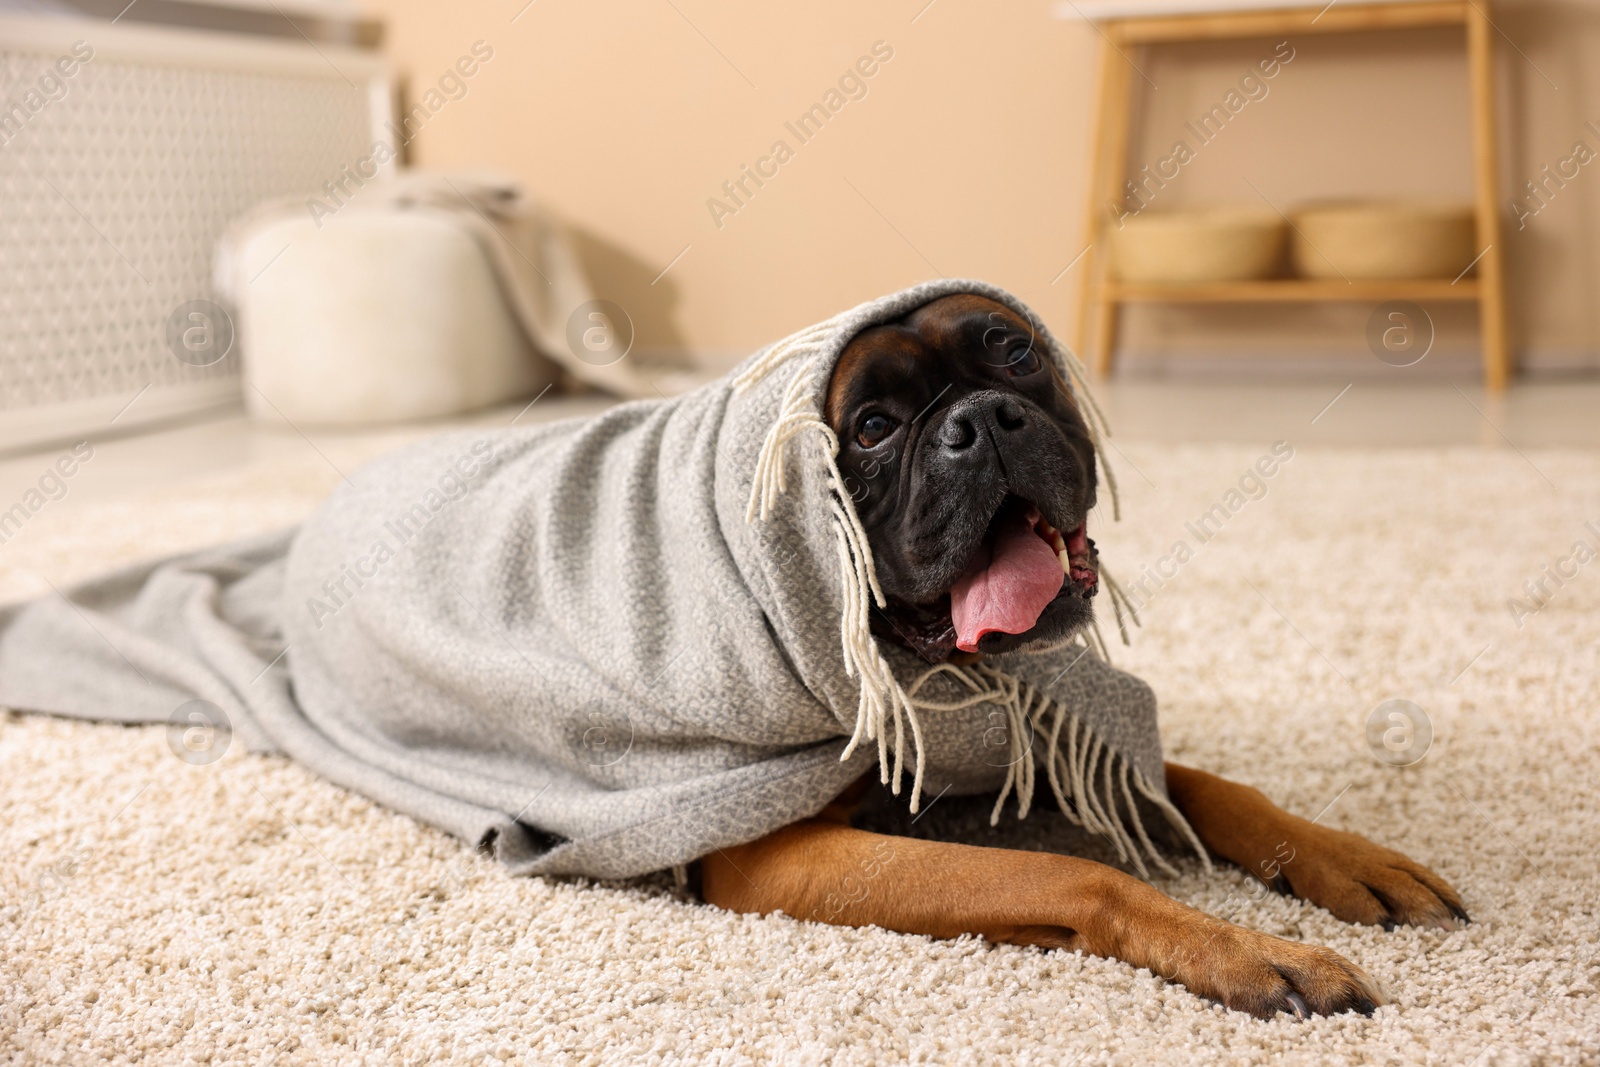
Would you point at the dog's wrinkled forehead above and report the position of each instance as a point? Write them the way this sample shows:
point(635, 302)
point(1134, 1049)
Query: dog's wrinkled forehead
point(963, 331)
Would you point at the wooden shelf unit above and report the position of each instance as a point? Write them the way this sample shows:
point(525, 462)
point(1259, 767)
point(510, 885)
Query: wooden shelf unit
point(1101, 296)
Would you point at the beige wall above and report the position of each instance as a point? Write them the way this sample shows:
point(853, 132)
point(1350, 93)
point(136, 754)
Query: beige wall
point(966, 155)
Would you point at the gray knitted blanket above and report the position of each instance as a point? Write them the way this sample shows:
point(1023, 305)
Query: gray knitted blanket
point(604, 646)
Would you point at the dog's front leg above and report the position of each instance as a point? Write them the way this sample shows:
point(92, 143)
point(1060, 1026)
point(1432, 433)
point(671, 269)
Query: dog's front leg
point(824, 870)
point(1358, 881)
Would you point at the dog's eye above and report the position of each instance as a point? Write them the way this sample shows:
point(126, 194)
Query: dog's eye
point(874, 428)
point(1023, 361)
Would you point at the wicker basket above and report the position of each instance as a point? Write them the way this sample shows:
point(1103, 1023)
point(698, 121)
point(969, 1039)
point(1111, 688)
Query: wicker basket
point(1200, 245)
point(1378, 240)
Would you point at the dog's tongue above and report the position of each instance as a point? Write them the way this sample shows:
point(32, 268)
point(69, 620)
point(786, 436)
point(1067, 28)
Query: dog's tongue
point(1008, 585)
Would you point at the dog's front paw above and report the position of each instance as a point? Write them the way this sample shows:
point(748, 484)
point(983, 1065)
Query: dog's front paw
point(1264, 975)
point(1361, 882)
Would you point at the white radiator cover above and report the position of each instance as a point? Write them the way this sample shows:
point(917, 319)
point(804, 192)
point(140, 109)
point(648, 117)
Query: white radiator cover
point(114, 192)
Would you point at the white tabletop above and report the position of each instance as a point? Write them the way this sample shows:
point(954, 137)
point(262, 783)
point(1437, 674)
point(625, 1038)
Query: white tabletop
point(1132, 9)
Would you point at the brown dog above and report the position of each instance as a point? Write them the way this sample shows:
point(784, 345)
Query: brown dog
point(967, 431)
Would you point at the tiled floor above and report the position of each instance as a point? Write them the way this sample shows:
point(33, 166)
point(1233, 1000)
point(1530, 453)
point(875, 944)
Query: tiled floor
point(1549, 413)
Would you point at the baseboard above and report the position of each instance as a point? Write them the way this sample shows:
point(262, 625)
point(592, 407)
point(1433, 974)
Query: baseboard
point(1449, 364)
point(27, 429)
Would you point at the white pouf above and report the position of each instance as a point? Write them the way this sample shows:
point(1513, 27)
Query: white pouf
point(376, 317)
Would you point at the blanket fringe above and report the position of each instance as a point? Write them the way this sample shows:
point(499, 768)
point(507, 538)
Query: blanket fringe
point(1106, 807)
point(881, 697)
point(792, 345)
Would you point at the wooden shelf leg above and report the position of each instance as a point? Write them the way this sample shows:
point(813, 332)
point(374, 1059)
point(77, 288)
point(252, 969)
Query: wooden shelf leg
point(1498, 363)
point(1105, 336)
point(1095, 335)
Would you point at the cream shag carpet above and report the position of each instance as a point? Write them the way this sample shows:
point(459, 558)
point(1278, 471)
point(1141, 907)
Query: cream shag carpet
point(245, 911)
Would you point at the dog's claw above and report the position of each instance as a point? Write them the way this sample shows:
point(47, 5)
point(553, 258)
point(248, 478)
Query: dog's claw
point(1267, 976)
point(1361, 882)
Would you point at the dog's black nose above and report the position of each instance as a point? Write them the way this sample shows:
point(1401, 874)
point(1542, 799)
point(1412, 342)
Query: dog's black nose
point(988, 410)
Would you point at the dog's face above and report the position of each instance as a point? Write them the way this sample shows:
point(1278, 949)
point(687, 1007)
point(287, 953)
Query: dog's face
point(973, 474)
